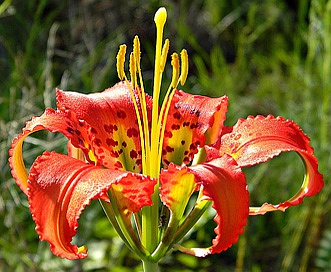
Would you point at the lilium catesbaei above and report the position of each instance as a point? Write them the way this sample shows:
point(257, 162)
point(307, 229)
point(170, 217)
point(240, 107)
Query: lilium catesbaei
point(125, 136)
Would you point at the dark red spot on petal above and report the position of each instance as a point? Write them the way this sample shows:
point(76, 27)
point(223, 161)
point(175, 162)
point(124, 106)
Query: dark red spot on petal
point(192, 126)
point(133, 154)
point(166, 161)
point(186, 160)
point(186, 124)
point(97, 142)
point(111, 142)
point(132, 132)
point(168, 134)
point(70, 130)
point(182, 142)
point(170, 149)
point(93, 130)
point(176, 115)
point(110, 128)
point(121, 114)
point(118, 164)
point(115, 154)
point(139, 162)
point(124, 144)
point(175, 127)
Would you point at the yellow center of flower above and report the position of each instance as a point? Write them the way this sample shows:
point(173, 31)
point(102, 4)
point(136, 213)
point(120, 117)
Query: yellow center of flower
point(152, 137)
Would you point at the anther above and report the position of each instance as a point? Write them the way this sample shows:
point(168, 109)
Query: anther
point(164, 54)
point(133, 70)
point(184, 70)
point(120, 61)
point(175, 70)
point(136, 51)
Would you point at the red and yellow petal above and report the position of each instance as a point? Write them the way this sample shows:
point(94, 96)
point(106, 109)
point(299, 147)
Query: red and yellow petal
point(177, 186)
point(54, 121)
point(113, 121)
point(225, 185)
point(258, 139)
point(60, 187)
point(191, 119)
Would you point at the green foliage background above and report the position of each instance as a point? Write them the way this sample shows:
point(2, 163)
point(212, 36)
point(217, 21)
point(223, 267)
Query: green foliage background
point(271, 56)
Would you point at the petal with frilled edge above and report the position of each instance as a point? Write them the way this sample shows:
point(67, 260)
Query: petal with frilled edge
point(113, 121)
point(193, 121)
point(59, 189)
point(258, 139)
point(225, 185)
point(54, 121)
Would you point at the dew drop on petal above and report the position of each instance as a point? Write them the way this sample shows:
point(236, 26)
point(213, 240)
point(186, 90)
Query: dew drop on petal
point(237, 137)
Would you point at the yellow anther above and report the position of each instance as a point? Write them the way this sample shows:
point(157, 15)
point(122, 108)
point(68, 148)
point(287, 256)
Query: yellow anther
point(120, 61)
point(184, 70)
point(133, 70)
point(160, 17)
point(136, 51)
point(175, 70)
point(164, 54)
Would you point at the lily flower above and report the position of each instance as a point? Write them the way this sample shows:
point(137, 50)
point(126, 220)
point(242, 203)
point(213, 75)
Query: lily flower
point(145, 159)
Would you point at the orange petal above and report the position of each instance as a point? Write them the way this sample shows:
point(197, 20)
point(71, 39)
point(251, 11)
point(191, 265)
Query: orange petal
point(258, 139)
point(113, 124)
point(177, 186)
point(191, 118)
point(54, 121)
point(59, 189)
point(225, 185)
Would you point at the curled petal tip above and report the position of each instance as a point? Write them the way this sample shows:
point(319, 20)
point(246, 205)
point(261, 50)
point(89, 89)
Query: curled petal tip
point(82, 251)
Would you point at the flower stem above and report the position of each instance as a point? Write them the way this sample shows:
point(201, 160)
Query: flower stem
point(150, 266)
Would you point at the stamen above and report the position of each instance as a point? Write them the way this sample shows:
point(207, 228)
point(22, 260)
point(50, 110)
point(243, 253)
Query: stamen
point(136, 51)
point(142, 99)
point(184, 71)
point(120, 61)
point(164, 54)
point(175, 70)
point(133, 70)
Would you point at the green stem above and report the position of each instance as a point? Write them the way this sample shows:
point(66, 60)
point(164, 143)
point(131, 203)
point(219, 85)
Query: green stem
point(123, 227)
point(149, 235)
point(167, 239)
point(107, 208)
point(191, 220)
point(150, 266)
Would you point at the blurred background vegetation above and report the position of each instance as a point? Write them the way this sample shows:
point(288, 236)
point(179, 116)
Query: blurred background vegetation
point(271, 56)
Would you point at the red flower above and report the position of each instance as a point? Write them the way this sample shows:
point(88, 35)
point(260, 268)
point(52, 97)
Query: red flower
point(124, 137)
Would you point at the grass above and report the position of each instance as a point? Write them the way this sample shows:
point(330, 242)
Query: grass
point(268, 57)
